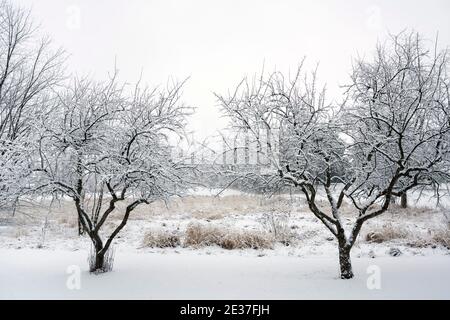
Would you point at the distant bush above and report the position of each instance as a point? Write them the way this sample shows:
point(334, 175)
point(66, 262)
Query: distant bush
point(442, 237)
point(386, 233)
point(198, 235)
point(278, 226)
point(161, 239)
point(247, 239)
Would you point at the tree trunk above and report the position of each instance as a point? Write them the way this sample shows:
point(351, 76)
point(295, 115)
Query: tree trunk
point(404, 200)
point(98, 265)
point(99, 262)
point(80, 227)
point(345, 262)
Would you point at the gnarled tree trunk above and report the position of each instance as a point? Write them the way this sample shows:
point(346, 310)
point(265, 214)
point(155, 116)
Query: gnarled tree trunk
point(80, 227)
point(404, 200)
point(345, 262)
point(99, 264)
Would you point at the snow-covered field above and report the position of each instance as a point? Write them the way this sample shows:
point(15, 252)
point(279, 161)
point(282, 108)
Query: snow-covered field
point(38, 246)
point(34, 274)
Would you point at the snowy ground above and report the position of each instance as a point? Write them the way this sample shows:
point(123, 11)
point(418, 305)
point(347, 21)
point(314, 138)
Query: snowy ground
point(194, 276)
point(37, 246)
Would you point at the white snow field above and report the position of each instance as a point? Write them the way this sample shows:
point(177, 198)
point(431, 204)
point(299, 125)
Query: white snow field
point(38, 248)
point(42, 274)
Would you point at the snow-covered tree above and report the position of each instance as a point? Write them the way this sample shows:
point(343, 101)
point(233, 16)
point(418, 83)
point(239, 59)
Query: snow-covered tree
point(391, 135)
point(104, 145)
point(29, 71)
point(400, 108)
point(398, 123)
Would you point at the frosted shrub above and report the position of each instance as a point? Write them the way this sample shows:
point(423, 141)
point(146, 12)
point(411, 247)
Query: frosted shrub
point(442, 237)
point(161, 239)
point(198, 235)
point(278, 226)
point(387, 232)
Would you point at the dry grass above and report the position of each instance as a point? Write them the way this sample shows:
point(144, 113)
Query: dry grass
point(411, 210)
point(20, 232)
point(212, 208)
point(442, 237)
point(347, 209)
point(198, 235)
point(69, 220)
point(421, 243)
point(207, 215)
point(107, 264)
point(199, 207)
point(278, 226)
point(161, 239)
point(387, 232)
point(247, 240)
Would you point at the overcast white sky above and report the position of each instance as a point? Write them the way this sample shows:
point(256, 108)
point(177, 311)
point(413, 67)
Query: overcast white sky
point(216, 43)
